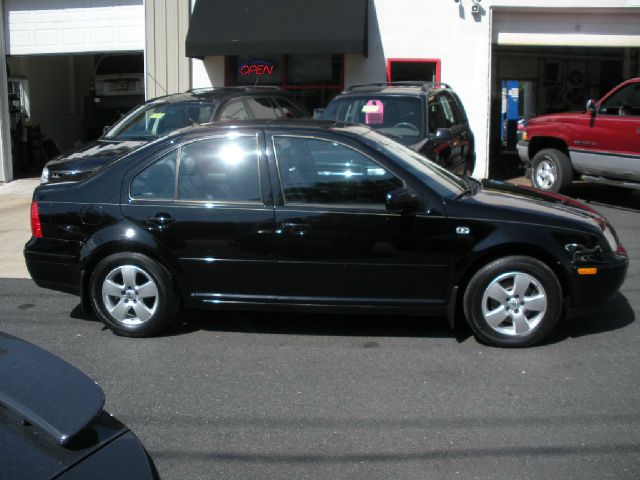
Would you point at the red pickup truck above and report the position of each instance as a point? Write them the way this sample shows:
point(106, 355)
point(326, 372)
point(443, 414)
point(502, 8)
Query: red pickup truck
point(600, 145)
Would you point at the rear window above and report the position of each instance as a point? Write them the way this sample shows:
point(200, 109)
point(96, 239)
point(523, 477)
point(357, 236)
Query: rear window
point(399, 117)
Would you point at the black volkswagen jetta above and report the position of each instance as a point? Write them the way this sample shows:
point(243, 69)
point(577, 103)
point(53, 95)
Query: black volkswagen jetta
point(315, 215)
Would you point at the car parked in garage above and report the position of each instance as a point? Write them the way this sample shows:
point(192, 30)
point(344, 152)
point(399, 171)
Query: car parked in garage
point(52, 422)
point(156, 118)
point(427, 117)
point(322, 216)
point(600, 145)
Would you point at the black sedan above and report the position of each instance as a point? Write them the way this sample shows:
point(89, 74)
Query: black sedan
point(316, 215)
point(52, 422)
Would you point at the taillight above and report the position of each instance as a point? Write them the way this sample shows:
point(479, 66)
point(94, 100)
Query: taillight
point(36, 228)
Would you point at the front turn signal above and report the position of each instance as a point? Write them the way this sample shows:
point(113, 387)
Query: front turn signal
point(588, 271)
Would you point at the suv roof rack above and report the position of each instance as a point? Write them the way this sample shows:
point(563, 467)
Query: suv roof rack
point(424, 86)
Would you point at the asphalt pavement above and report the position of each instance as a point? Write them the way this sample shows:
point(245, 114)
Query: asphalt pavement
point(256, 396)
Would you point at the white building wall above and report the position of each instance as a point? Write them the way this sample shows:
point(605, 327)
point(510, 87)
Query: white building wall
point(449, 31)
point(414, 29)
point(35, 27)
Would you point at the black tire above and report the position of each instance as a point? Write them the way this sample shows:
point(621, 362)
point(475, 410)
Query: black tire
point(533, 278)
point(144, 301)
point(551, 170)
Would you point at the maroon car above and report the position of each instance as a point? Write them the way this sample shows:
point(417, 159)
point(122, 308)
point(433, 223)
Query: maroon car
point(600, 145)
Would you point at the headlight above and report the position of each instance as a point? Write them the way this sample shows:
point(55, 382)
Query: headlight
point(44, 178)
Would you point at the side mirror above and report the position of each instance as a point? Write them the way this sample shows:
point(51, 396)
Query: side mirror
point(317, 113)
point(442, 135)
point(591, 106)
point(105, 129)
point(402, 200)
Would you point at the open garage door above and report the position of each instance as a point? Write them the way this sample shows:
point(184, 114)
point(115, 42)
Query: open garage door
point(552, 61)
point(73, 66)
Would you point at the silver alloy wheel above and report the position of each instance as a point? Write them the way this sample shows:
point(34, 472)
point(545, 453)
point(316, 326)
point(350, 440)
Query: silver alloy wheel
point(130, 295)
point(514, 303)
point(546, 174)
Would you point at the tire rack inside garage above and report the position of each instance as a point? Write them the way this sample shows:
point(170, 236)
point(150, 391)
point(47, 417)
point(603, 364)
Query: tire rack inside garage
point(547, 62)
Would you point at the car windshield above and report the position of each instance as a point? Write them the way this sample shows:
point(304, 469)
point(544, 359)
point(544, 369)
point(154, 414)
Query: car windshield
point(396, 116)
point(445, 183)
point(153, 120)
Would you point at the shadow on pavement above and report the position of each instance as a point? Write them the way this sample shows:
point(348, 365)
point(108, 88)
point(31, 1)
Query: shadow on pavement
point(310, 324)
point(613, 316)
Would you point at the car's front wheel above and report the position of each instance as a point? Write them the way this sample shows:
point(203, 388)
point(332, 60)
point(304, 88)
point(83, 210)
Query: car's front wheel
point(513, 302)
point(551, 170)
point(133, 295)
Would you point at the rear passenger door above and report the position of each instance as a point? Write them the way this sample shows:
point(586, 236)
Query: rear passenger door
point(206, 207)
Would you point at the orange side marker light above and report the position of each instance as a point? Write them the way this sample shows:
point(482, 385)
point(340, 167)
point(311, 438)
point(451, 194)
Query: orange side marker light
point(588, 271)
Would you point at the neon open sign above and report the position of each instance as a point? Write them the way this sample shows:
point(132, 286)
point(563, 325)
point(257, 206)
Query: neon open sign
point(257, 67)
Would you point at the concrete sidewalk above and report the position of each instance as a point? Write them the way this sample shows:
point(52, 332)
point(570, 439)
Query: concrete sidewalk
point(15, 226)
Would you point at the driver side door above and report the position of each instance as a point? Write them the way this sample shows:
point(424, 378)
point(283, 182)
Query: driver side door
point(336, 243)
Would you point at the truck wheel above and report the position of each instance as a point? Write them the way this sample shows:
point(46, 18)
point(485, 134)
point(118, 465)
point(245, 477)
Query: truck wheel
point(551, 170)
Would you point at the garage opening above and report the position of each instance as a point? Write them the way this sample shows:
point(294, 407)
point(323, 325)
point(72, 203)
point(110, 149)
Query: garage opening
point(58, 102)
point(553, 62)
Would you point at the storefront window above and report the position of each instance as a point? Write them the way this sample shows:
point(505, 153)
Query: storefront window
point(314, 79)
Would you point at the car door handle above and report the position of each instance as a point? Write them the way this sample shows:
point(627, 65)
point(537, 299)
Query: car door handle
point(160, 220)
point(297, 228)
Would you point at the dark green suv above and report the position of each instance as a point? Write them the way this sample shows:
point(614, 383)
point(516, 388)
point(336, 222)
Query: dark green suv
point(427, 117)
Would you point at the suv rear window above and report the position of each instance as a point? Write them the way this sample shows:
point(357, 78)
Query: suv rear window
point(399, 117)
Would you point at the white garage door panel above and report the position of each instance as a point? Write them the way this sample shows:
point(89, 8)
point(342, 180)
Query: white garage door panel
point(35, 27)
point(567, 29)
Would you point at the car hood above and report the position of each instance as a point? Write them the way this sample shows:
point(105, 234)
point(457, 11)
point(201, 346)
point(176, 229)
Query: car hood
point(563, 117)
point(93, 155)
point(520, 203)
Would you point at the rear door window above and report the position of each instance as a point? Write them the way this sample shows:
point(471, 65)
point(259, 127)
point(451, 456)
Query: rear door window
point(220, 170)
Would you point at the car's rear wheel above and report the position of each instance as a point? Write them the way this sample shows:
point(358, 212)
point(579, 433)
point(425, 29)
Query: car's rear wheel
point(551, 170)
point(133, 295)
point(513, 302)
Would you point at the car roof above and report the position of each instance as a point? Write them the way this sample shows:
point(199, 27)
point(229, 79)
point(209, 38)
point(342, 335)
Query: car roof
point(395, 88)
point(218, 93)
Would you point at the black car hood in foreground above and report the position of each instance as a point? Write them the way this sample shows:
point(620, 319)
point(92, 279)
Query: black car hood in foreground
point(520, 203)
point(52, 421)
point(93, 155)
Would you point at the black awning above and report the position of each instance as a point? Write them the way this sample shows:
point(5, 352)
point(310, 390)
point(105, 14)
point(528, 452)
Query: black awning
point(261, 27)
